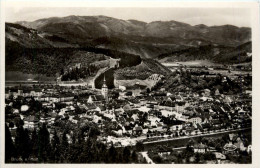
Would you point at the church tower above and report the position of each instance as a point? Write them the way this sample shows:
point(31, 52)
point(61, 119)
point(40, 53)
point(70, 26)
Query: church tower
point(104, 89)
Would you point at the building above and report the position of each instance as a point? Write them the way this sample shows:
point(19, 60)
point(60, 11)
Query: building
point(177, 125)
point(31, 122)
point(122, 88)
point(249, 148)
point(164, 151)
point(129, 91)
point(95, 99)
point(217, 92)
point(104, 90)
point(195, 120)
point(229, 148)
point(200, 148)
point(137, 130)
point(220, 157)
point(207, 92)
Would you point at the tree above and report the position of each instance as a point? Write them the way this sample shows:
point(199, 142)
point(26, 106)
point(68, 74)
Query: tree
point(73, 139)
point(144, 160)
point(197, 158)
point(85, 154)
point(28, 147)
point(64, 147)
point(134, 156)
point(225, 138)
point(18, 122)
point(22, 143)
point(189, 149)
point(112, 154)
point(75, 151)
point(157, 159)
point(126, 155)
point(209, 156)
point(61, 71)
point(9, 146)
point(139, 146)
point(44, 144)
point(34, 143)
point(93, 132)
point(78, 110)
point(55, 143)
point(11, 125)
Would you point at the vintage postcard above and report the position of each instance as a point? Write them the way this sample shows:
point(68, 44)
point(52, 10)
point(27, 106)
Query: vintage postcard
point(87, 83)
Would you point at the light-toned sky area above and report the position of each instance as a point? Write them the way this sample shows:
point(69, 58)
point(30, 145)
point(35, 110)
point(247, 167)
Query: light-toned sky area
point(240, 17)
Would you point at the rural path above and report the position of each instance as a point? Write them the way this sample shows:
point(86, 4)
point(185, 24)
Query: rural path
point(148, 159)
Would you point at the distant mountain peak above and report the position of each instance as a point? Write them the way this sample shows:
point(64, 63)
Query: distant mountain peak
point(137, 37)
point(201, 26)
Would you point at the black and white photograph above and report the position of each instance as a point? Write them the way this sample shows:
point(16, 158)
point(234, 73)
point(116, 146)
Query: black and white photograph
point(128, 85)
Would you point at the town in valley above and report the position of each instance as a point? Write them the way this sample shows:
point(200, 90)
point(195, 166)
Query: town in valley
point(76, 99)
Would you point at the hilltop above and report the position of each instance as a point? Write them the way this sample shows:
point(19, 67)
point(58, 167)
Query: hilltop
point(131, 36)
point(51, 45)
point(29, 52)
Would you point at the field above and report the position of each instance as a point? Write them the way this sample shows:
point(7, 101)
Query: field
point(147, 83)
point(191, 63)
point(16, 78)
point(201, 63)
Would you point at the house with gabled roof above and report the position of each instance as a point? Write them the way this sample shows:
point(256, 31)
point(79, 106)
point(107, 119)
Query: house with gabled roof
point(95, 99)
point(167, 104)
point(217, 92)
point(200, 148)
point(216, 123)
point(240, 144)
point(164, 150)
point(90, 107)
point(138, 130)
point(31, 122)
point(206, 119)
point(228, 99)
point(37, 92)
point(53, 116)
point(176, 125)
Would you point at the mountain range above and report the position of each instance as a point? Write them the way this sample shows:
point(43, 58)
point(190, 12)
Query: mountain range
point(48, 45)
point(136, 37)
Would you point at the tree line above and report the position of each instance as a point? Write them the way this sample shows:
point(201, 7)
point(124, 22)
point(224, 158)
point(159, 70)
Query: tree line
point(52, 60)
point(38, 147)
point(77, 73)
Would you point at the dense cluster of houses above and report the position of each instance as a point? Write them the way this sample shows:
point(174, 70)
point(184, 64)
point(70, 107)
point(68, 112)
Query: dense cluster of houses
point(135, 112)
point(234, 146)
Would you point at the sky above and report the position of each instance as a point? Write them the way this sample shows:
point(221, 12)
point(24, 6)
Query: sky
point(240, 17)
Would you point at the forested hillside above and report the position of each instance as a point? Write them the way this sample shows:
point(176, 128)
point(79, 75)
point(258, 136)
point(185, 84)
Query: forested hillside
point(218, 54)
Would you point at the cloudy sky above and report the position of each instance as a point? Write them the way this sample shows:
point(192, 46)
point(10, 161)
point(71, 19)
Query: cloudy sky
point(240, 17)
